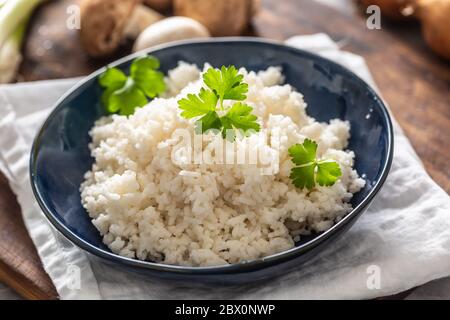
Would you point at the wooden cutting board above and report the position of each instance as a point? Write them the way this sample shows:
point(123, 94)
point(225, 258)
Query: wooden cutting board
point(414, 82)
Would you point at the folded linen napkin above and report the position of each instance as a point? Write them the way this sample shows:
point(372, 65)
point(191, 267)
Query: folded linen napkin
point(401, 242)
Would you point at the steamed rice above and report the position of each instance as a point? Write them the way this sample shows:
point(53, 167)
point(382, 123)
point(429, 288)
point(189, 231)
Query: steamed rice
point(149, 207)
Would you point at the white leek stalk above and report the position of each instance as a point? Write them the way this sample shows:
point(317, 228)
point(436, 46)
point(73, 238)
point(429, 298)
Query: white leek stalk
point(14, 16)
point(10, 55)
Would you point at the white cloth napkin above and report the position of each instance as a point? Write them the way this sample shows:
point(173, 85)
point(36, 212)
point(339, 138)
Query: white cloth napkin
point(403, 238)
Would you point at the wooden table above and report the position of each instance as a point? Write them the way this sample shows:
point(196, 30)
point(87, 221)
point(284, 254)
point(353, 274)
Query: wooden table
point(415, 83)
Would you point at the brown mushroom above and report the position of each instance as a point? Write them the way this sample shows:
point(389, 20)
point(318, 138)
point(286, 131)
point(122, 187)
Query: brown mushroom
point(435, 18)
point(159, 5)
point(103, 23)
point(222, 18)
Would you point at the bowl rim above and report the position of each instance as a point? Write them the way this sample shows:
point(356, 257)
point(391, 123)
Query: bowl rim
point(245, 266)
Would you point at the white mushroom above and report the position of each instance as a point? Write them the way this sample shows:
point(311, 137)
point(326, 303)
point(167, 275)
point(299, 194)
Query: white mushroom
point(170, 29)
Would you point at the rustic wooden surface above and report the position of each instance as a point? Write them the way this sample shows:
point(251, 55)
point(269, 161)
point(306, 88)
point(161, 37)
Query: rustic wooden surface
point(20, 267)
point(414, 82)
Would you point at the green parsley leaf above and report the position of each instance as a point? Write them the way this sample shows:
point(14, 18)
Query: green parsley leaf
point(198, 105)
point(144, 72)
point(127, 99)
point(309, 170)
point(226, 83)
point(113, 79)
point(123, 93)
point(239, 117)
point(327, 172)
point(303, 153)
point(223, 84)
point(303, 177)
point(208, 122)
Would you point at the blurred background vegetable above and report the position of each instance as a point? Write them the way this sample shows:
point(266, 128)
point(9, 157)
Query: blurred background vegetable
point(435, 18)
point(14, 16)
point(140, 19)
point(222, 18)
point(103, 23)
point(159, 5)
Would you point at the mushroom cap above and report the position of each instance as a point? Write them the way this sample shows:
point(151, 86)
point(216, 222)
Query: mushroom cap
point(160, 5)
point(222, 18)
point(434, 15)
point(103, 23)
point(170, 29)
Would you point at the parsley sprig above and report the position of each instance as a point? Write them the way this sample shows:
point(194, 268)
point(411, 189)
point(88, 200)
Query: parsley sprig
point(123, 94)
point(222, 84)
point(309, 170)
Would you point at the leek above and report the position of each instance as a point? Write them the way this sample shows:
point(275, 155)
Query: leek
point(10, 55)
point(14, 16)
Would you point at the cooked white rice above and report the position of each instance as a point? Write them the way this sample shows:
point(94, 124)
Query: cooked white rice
point(149, 207)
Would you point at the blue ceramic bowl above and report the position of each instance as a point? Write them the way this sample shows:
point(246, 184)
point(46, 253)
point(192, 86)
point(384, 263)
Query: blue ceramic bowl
point(60, 154)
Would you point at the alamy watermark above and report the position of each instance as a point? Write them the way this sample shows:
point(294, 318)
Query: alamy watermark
point(373, 281)
point(73, 21)
point(73, 277)
point(373, 22)
point(259, 149)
